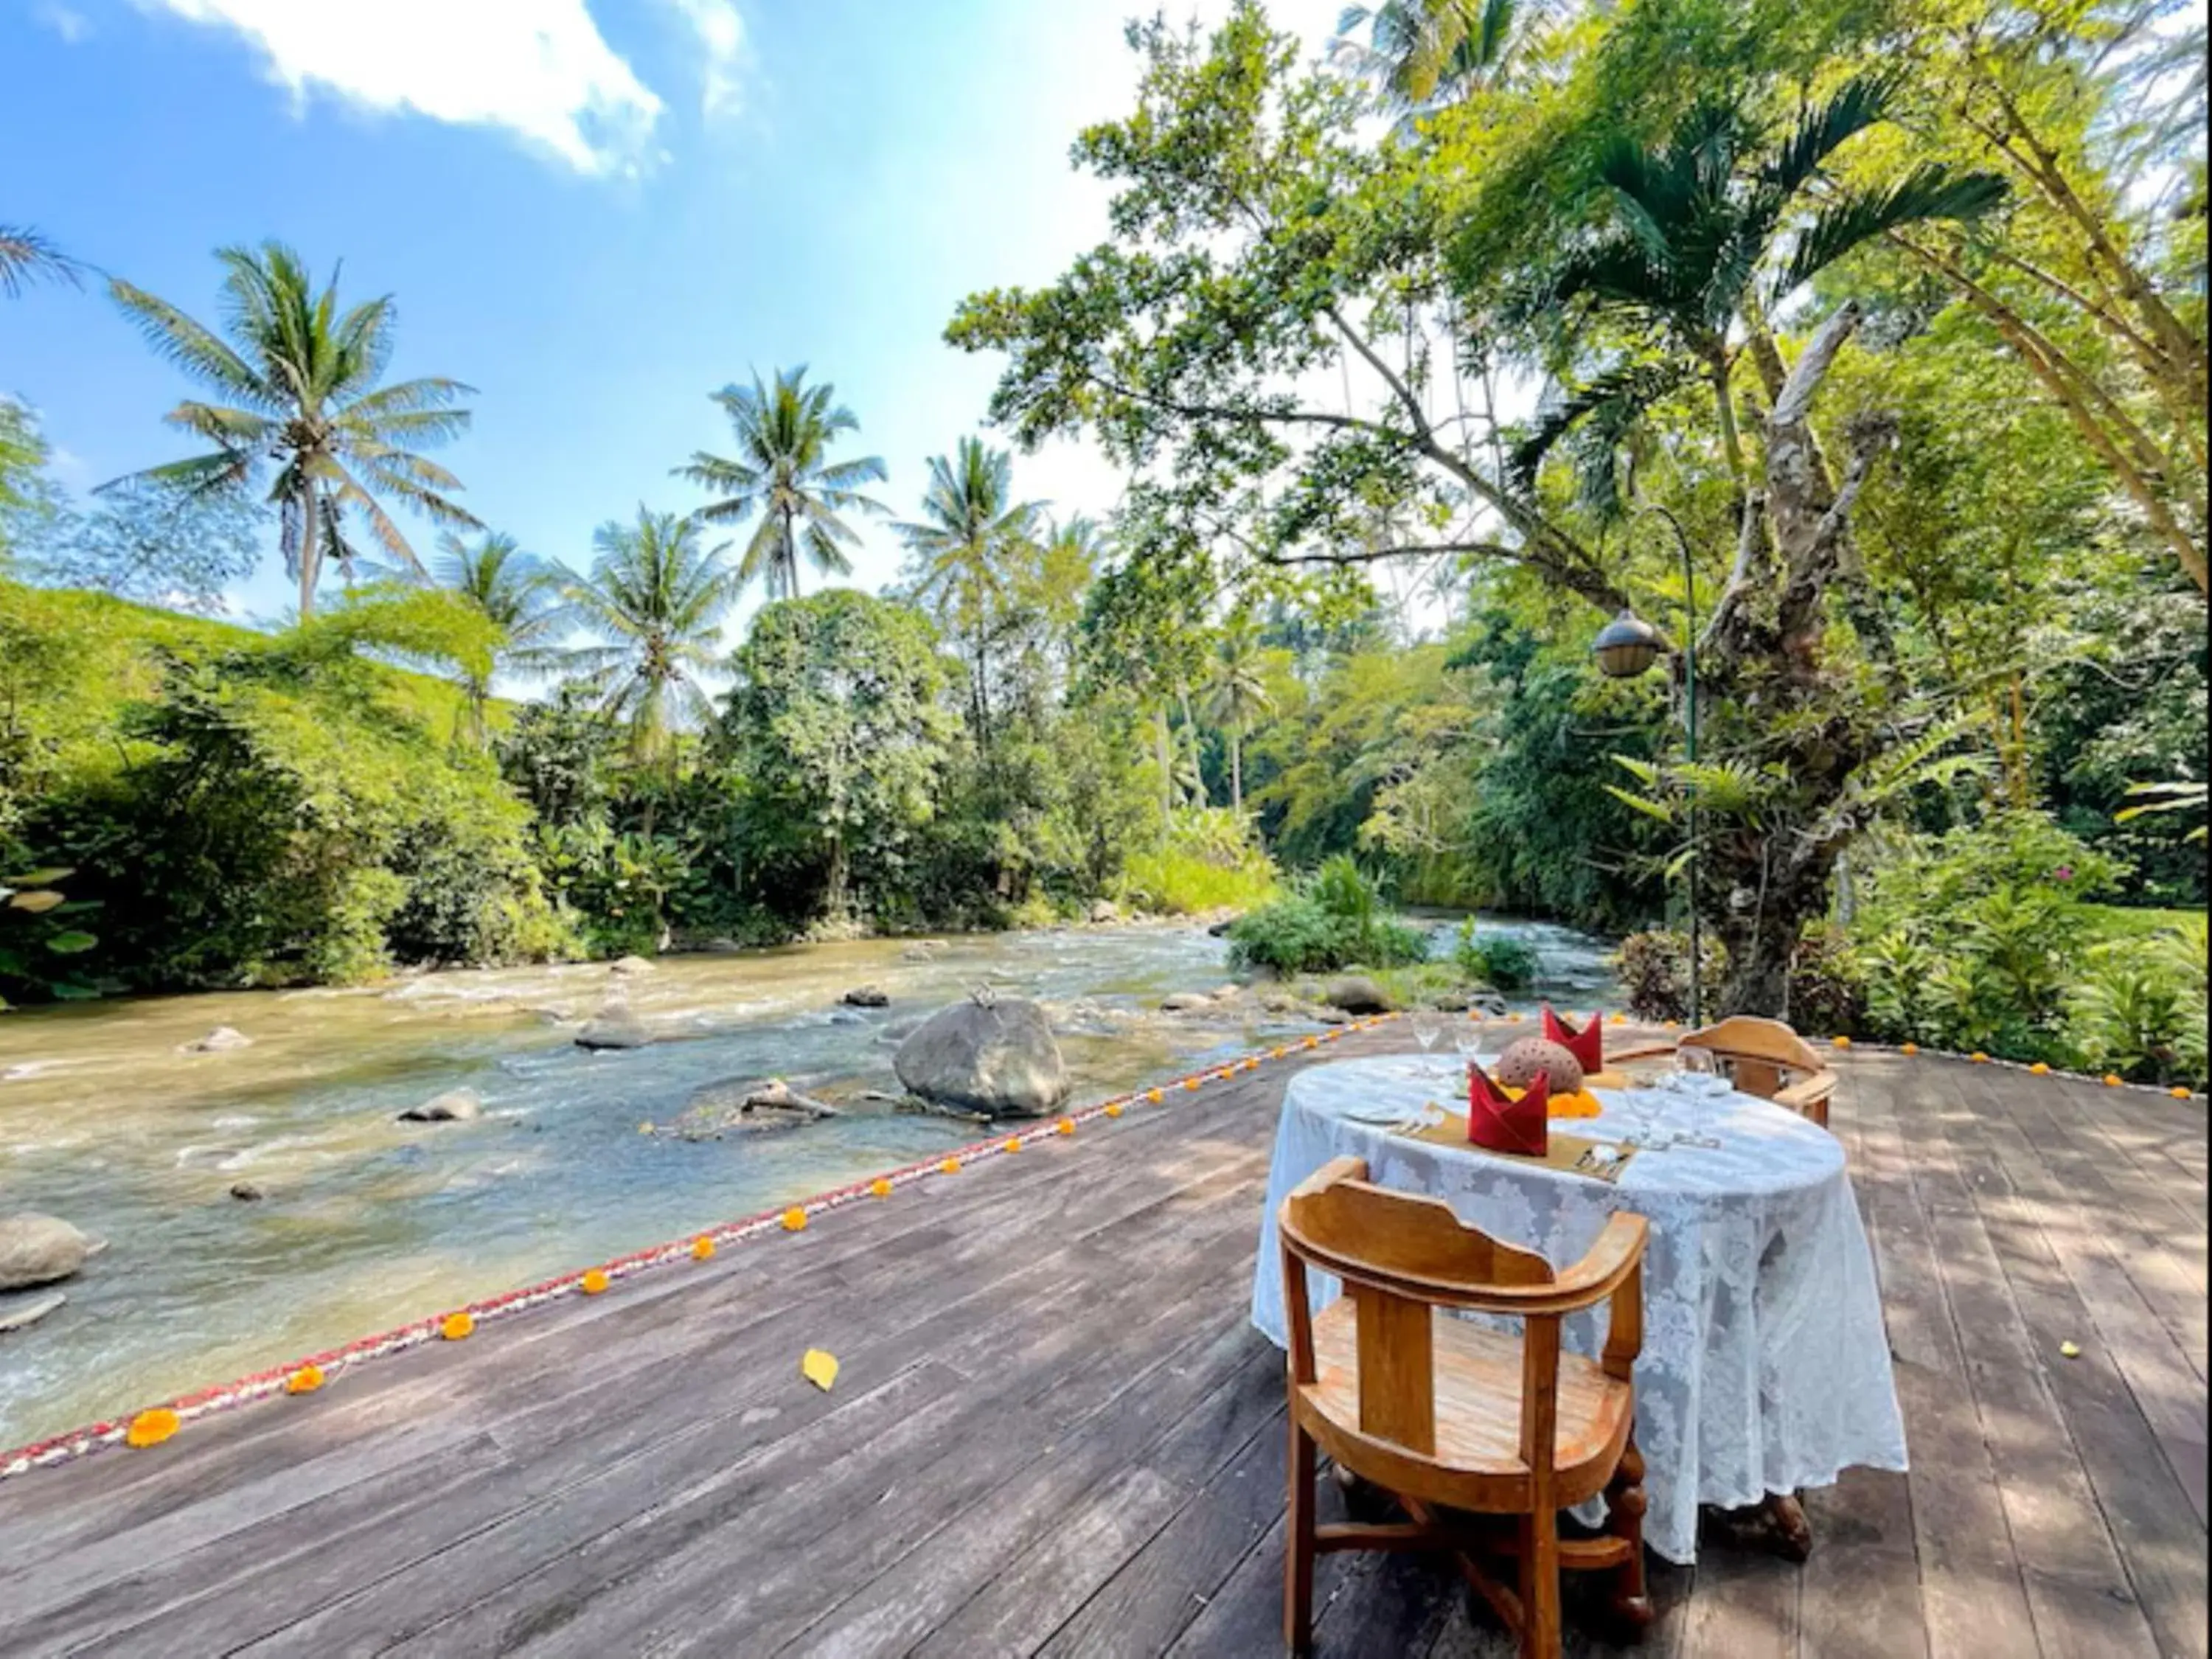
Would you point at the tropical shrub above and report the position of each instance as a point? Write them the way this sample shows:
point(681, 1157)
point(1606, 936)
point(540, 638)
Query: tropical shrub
point(1502, 961)
point(1654, 968)
point(1335, 919)
point(1207, 860)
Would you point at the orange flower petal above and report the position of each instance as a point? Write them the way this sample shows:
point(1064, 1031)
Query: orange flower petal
point(880, 1188)
point(151, 1428)
point(1910, 1049)
point(305, 1380)
point(794, 1219)
point(702, 1247)
point(1840, 1042)
point(593, 1282)
point(951, 1166)
point(2113, 1080)
point(2178, 1092)
point(1012, 1144)
point(2040, 1069)
point(457, 1327)
point(1978, 1058)
point(1113, 1108)
point(1066, 1127)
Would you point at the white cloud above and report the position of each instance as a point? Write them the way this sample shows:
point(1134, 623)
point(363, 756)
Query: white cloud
point(721, 36)
point(540, 68)
point(71, 25)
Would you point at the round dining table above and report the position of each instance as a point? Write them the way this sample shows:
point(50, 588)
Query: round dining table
point(1765, 1369)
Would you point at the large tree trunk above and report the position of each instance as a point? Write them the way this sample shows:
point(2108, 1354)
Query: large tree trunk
point(1760, 662)
point(310, 549)
point(1237, 770)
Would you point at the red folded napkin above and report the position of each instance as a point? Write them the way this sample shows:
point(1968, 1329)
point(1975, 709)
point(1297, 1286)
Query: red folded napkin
point(1502, 1124)
point(1586, 1044)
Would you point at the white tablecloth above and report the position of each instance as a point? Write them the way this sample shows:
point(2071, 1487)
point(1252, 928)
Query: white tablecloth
point(1765, 1367)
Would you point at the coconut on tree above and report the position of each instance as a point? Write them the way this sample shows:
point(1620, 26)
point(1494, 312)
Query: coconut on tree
point(304, 408)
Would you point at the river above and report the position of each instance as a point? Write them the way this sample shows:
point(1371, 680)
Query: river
point(366, 1222)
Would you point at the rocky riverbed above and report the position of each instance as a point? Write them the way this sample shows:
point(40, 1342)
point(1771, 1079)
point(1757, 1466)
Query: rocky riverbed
point(351, 1158)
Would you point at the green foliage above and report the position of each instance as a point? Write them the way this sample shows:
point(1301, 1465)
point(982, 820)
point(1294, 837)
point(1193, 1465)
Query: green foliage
point(1208, 860)
point(147, 541)
point(1654, 968)
point(1503, 962)
point(837, 727)
point(251, 810)
point(1333, 919)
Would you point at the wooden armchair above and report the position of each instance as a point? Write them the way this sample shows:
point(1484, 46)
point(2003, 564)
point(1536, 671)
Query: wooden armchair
point(1449, 1414)
point(1762, 1057)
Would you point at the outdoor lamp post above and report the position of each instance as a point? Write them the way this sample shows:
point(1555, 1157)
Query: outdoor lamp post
point(1626, 647)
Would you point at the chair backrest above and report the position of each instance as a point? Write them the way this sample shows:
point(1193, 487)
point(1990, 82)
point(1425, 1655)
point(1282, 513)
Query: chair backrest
point(1762, 1055)
point(1402, 1256)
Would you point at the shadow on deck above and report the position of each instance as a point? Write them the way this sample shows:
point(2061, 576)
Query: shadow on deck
point(1055, 1432)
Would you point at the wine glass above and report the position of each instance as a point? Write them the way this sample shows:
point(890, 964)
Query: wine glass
point(1427, 1028)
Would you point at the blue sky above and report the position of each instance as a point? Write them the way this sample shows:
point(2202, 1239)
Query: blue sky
point(594, 214)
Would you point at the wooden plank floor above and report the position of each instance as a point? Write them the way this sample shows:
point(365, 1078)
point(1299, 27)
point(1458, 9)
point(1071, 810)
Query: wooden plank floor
point(1054, 1432)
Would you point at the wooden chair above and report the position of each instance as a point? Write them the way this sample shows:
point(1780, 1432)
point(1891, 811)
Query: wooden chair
point(1762, 1057)
point(1449, 1414)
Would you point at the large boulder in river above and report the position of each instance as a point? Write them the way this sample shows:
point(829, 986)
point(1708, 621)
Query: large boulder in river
point(613, 1027)
point(866, 996)
point(987, 1055)
point(1355, 993)
point(219, 1041)
point(37, 1249)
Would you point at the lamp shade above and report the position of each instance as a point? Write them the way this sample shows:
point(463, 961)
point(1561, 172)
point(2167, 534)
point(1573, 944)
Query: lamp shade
point(1626, 645)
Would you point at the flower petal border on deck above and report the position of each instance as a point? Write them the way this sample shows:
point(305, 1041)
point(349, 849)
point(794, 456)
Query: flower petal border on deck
point(332, 1362)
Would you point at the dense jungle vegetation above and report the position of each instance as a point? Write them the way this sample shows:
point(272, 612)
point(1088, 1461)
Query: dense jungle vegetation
point(1883, 320)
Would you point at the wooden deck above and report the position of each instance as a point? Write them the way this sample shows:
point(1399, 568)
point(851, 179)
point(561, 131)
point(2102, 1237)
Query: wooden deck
point(1054, 1432)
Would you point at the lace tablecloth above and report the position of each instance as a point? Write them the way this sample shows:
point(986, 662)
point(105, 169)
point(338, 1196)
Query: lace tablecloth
point(1765, 1367)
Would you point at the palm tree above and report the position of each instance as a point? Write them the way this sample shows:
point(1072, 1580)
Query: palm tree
point(1422, 54)
point(26, 257)
point(1711, 226)
point(1237, 695)
point(301, 381)
point(964, 551)
point(784, 473)
point(657, 598)
point(525, 599)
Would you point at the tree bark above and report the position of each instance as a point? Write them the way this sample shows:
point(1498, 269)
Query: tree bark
point(311, 549)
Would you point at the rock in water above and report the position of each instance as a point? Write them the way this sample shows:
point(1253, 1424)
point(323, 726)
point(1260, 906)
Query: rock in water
point(29, 1310)
point(454, 1106)
point(623, 967)
point(866, 996)
point(613, 1027)
point(219, 1041)
point(37, 1249)
point(1104, 912)
point(1355, 993)
point(245, 1191)
point(1185, 1002)
point(995, 1056)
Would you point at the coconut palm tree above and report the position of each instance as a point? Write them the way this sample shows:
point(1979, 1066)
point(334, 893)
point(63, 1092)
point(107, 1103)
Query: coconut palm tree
point(1719, 222)
point(964, 550)
point(656, 597)
point(785, 474)
point(1421, 54)
point(1237, 695)
point(527, 599)
point(26, 257)
point(300, 381)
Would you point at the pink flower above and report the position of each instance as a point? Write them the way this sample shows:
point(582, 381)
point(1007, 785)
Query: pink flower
point(2064, 873)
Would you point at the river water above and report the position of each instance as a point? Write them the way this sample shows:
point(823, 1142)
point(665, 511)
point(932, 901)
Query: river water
point(366, 1222)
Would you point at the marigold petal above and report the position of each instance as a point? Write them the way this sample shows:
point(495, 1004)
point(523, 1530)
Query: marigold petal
point(456, 1326)
point(151, 1428)
point(951, 1166)
point(1113, 1108)
point(305, 1380)
point(702, 1247)
point(880, 1188)
point(794, 1219)
point(593, 1282)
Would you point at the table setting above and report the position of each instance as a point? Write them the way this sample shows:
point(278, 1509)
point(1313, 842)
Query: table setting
point(1765, 1367)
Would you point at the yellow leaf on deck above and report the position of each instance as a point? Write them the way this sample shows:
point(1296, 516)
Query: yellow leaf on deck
point(819, 1367)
